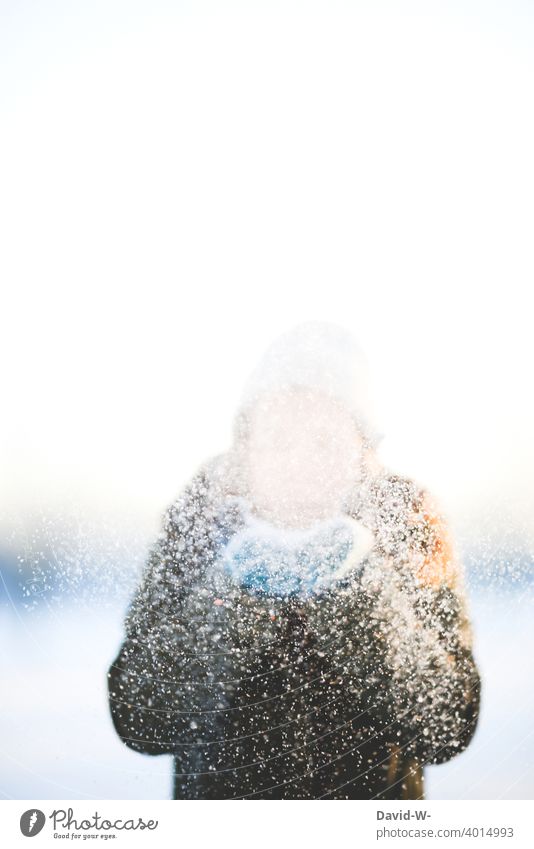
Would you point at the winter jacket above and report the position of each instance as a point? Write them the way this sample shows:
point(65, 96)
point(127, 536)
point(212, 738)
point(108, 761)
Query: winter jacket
point(344, 696)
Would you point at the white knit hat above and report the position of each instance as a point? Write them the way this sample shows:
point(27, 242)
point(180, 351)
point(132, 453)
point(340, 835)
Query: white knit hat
point(317, 355)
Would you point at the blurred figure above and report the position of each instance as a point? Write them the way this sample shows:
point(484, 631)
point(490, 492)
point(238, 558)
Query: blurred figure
point(300, 630)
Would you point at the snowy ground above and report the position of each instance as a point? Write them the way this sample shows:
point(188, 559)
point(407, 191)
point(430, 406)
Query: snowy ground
point(57, 740)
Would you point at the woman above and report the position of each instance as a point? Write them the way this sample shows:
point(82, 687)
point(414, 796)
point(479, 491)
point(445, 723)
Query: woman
point(300, 630)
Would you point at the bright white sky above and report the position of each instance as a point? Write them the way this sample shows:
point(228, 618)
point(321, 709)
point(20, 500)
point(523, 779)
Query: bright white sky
point(180, 184)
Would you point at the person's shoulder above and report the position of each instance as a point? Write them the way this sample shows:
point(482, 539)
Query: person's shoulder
point(410, 519)
point(198, 494)
point(389, 496)
point(401, 511)
point(397, 495)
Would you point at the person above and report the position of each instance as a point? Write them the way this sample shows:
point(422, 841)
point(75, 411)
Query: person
point(301, 628)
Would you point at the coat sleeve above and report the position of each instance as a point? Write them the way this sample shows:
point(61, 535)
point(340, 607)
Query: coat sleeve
point(431, 684)
point(145, 688)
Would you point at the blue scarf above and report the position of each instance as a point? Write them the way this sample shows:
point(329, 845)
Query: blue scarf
point(282, 562)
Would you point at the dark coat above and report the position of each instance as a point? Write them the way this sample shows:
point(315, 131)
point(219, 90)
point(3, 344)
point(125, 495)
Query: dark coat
point(346, 696)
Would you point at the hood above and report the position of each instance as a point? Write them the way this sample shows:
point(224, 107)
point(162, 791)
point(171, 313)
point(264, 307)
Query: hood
point(317, 355)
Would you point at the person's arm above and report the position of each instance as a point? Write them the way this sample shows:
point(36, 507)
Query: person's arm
point(146, 680)
point(431, 682)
